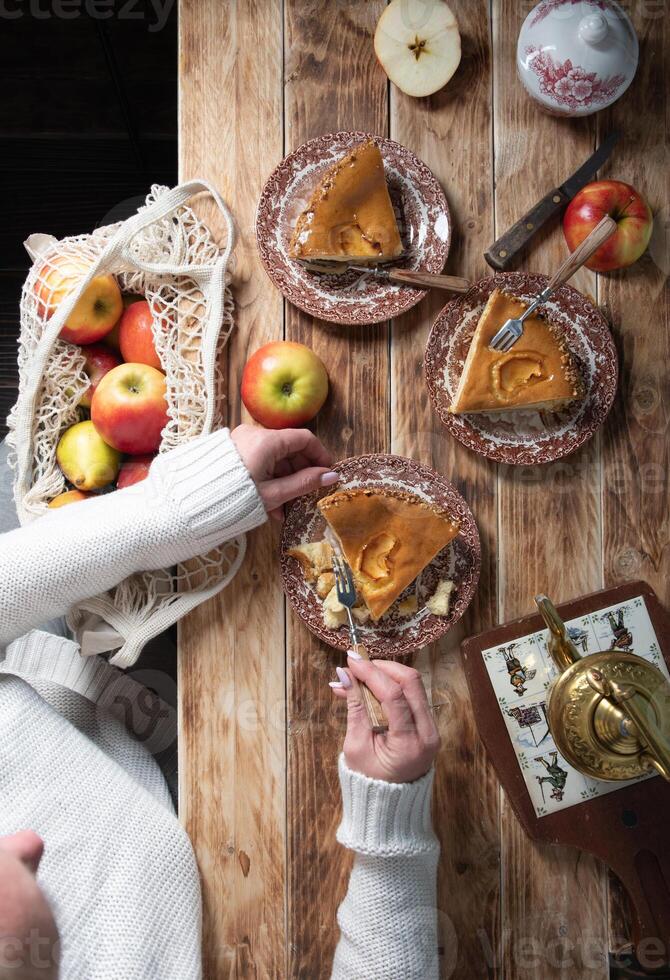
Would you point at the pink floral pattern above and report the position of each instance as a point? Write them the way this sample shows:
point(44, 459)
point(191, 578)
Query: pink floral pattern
point(544, 9)
point(569, 84)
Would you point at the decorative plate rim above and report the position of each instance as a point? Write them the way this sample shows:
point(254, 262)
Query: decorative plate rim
point(459, 426)
point(431, 627)
point(398, 299)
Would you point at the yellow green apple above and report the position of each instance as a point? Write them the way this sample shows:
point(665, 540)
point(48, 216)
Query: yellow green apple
point(86, 460)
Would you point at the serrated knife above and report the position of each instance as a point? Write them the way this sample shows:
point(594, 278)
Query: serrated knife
point(502, 253)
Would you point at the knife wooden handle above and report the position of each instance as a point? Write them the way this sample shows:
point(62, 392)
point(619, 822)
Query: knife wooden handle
point(504, 251)
point(376, 716)
point(430, 280)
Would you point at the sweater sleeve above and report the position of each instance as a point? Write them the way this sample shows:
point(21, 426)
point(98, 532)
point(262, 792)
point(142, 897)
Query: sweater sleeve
point(195, 497)
point(388, 919)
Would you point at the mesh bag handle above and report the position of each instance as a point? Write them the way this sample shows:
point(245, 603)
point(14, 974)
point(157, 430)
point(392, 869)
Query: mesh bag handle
point(161, 208)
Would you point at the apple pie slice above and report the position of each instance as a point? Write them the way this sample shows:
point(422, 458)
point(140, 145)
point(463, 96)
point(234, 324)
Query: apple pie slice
point(387, 537)
point(350, 217)
point(539, 372)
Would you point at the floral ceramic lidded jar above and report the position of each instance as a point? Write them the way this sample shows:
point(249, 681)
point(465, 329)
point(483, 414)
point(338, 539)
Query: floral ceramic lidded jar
point(576, 56)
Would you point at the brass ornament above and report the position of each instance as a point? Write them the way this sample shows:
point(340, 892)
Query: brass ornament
point(609, 713)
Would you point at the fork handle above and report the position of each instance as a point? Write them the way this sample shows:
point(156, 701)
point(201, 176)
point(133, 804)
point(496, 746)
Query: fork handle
point(429, 280)
point(376, 716)
point(602, 231)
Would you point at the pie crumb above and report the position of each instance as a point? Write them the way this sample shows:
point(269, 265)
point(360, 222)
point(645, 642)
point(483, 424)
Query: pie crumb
point(314, 557)
point(408, 606)
point(361, 614)
point(439, 602)
point(335, 615)
point(324, 584)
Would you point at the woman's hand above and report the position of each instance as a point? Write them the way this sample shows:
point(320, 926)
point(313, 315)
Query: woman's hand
point(404, 753)
point(283, 463)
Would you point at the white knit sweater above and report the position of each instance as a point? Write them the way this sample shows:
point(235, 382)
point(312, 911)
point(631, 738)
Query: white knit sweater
point(78, 763)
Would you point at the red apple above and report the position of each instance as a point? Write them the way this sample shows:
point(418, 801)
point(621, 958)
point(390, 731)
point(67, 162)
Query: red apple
point(136, 338)
point(129, 408)
point(112, 338)
point(95, 312)
point(134, 471)
point(284, 385)
point(99, 360)
point(631, 213)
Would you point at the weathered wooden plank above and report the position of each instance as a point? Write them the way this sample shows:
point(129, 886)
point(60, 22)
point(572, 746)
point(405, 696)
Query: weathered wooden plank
point(332, 82)
point(554, 901)
point(231, 661)
point(636, 441)
point(455, 142)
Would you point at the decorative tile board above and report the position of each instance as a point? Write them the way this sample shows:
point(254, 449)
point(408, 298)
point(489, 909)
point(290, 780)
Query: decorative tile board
point(521, 673)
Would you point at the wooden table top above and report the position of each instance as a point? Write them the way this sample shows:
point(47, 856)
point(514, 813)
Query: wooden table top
point(259, 734)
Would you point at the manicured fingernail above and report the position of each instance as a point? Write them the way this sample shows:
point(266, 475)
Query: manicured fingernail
point(343, 676)
point(353, 655)
point(327, 479)
point(335, 684)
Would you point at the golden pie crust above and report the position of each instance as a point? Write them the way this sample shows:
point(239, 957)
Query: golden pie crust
point(387, 537)
point(349, 217)
point(539, 372)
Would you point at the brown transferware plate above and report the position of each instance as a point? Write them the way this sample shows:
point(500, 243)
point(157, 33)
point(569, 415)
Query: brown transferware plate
point(525, 437)
point(354, 297)
point(394, 635)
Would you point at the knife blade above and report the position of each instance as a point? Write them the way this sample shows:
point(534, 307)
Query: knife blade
point(505, 249)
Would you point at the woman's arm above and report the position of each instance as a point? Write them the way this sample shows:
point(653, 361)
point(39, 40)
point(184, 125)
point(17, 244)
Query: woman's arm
point(195, 497)
point(388, 919)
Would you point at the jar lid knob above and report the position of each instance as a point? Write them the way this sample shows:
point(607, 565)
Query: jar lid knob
point(593, 28)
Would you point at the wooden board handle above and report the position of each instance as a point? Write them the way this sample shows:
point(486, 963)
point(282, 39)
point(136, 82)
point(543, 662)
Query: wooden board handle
point(455, 284)
point(505, 249)
point(376, 716)
point(602, 231)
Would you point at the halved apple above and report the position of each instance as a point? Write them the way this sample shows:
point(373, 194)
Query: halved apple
point(418, 45)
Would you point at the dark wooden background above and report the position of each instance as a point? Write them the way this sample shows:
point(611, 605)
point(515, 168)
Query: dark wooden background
point(88, 121)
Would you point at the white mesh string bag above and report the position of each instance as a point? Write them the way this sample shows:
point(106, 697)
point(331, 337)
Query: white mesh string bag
point(167, 254)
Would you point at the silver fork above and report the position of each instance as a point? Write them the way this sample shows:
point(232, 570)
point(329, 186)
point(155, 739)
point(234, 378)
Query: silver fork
point(512, 329)
point(346, 595)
